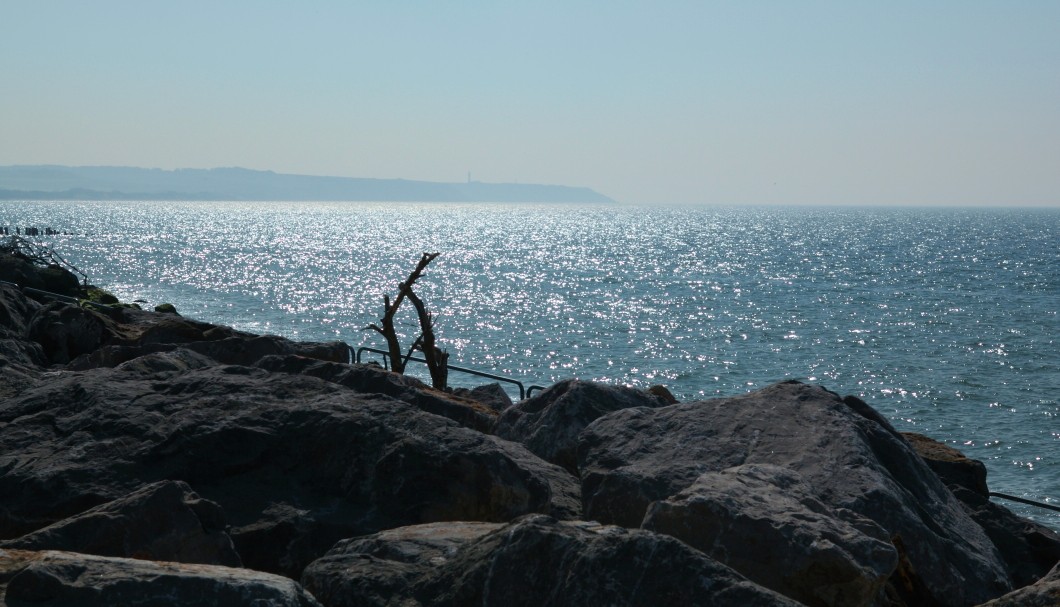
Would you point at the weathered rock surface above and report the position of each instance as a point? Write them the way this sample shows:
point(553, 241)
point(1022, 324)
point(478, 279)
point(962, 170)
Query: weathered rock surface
point(491, 395)
point(51, 278)
point(845, 451)
point(1043, 593)
point(1029, 550)
point(382, 568)
point(549, 423)
point(66, 332)
point(762, 521)
point(371, 379)
point(164, 521)
point(297, 463)
point(67, 578)
point(952, 466)
point(300, 451)
point(535, 560)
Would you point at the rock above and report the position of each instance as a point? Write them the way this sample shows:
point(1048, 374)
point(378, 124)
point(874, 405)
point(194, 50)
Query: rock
point(1029, 550)
point(66, 332)
point(952, 466)
point(15, 379)
point(166, 308)
point(101, 296)
point(165, 363)
point(762, 521)
point(67, 578)
point(491, 395)
point(372, 379)
point(242, 350)
point(52, 278)
point(288, 457)
point(1043, 593)
point(549, 424)
point(846, 452)
point(16, 311)
point(381, 569)
point(534, 560)
point(664, 393)
point(164, 521)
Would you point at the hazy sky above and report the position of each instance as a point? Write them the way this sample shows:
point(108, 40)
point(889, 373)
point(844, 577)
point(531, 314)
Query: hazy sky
point(707, 102)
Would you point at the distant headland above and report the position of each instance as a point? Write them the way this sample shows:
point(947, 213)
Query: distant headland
point(54, 182)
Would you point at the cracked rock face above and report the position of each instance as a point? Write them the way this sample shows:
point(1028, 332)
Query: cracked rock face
point(762, 521)
point(163, 521)
point(171, 439)
point(535, 560)
point(844, 451)
point(53, 578)
point(296, 462)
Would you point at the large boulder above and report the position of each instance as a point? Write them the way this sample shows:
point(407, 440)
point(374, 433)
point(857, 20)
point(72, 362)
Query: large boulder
point(491, 395)
point(549, 423)
point(381, 569)
point(66, 332)
point(163, 521)
point(1029, 550)
point(535, 560)
point(763, 522)
point(60, 579)
point(296, 462)
point(16, 310)
point(844, 451)
point(52, 278)
point(372, 379)
point(952, 466)
point(1043, 593)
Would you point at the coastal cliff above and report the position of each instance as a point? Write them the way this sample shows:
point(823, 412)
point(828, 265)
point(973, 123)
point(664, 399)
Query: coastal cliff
point(147, 454)
point(51, 182)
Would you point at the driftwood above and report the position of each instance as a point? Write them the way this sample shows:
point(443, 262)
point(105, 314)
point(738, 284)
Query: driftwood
point(437, 359)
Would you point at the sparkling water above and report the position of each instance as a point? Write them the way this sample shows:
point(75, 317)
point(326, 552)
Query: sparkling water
point(945, 320)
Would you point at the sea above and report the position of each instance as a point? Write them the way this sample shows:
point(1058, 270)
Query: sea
point(943, 319)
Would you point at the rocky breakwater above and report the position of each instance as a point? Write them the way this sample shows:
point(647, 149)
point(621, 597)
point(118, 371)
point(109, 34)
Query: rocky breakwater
point(149, 455)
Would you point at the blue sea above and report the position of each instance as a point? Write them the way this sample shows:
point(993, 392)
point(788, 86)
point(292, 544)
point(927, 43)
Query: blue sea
point(945, 320)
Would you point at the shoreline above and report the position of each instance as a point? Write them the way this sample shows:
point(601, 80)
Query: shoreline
point(269, 431)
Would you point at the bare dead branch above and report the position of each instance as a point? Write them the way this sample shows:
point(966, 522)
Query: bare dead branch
point(390, 308)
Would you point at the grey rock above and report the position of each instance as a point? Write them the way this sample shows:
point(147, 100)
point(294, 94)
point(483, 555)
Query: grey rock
point(16, 311)
point(549, 423)
point(66, 332)
point(1029, 550)
point(296, 463)
point(952, 466)
point(164, 521)
point(762, 521)
point(381, 569)
point(1043, 593)
point(372, 379)
point(534, 560)
point(51, 278)
point(845, 451)
point(67, 578)
point(491, 395)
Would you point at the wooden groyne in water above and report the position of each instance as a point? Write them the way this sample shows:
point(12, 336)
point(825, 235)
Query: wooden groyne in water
point(31, 231)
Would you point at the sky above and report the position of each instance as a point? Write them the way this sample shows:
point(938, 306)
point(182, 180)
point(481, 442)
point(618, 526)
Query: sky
point(846, 102)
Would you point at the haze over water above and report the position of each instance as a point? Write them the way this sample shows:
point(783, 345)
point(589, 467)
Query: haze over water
point(945, 320)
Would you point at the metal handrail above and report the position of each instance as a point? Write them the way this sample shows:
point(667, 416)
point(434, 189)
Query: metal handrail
point(1024, 500)
point(386, 365)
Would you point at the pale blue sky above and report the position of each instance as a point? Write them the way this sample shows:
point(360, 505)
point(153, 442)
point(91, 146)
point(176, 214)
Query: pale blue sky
point(704, 102)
